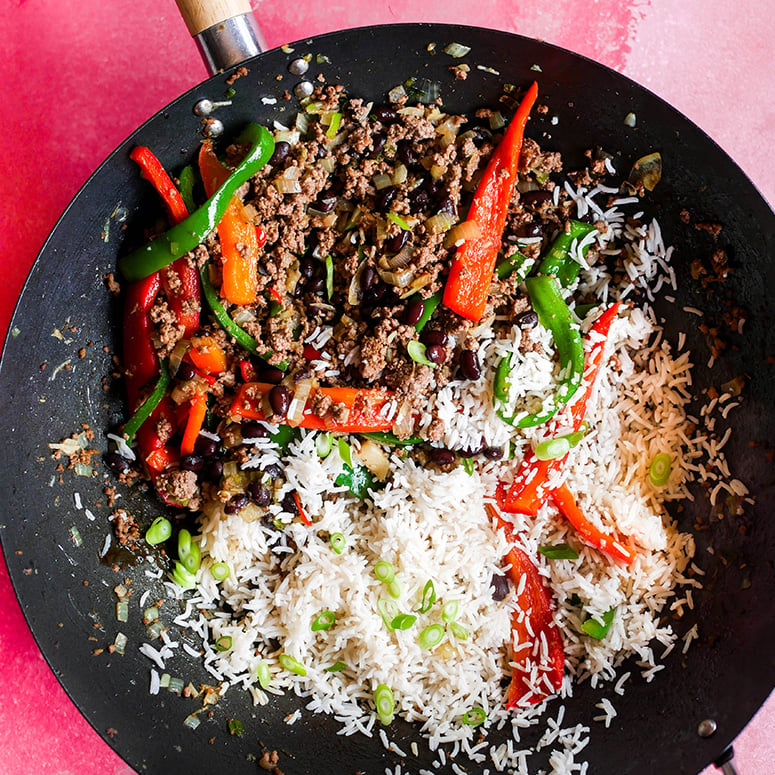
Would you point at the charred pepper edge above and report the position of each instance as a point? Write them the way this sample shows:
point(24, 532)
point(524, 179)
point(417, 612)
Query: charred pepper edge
point(186, 235)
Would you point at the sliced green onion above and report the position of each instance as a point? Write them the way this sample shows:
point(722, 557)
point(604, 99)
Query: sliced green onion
point(403, 621)
point(428, 597)
point(329, 277)
point(220, 571)
point(323, 621)
point(431, 636)
point(159, 531)
point(338, 542)
point(449, 612)
point(659, 470)
point(388, 610)
point(292, 665)
point(236, 727)
point(558, 552)
point(345, 453)
point(385, 703)
point(337, 667)
point(333, 127)
point(551, 449)
point(394, 589)
point(151, 614)
point(192, 720)
point(595, 629)
point(223, 643)
point(469, 466)
point(183, 577)
point(264, 674)
point(122, 611)
point(418, 353)
point(384, 571)
point(457, 629)
point(456, 50)
point(399, 221)
point(324, 443)
point(175, 685)
point(75, 536)
point(188, 551)
point(474, 717)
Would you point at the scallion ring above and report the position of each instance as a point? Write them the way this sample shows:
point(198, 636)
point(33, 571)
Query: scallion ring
point(449, 612)
point(345, 453)
point(403, 621)
point(384, 571)
point(264, 674)
point(182, 577)
point(388, 610)
point(329, 276)
point(223, 643)
point(418, 353)
point(292, 665)
point(188, 551)
point(394, 589)
point(431, 636)
point(457, 629)
point(659, 470)
point(385, 703)
point(323, 621)
point(551, 449)
point(337, 667)
point(159, 531)
point(324, 443)
point(220, 571)
point(474, 717)
point(338, 542)
point(428, 597)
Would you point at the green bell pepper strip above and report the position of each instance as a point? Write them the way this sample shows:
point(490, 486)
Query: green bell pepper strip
point(558, 261)
point(390, 439)
point(187, 179)
point(516, 262)
point(143, 412)
point(187, 234)
point(242, 337)
point(555, 315)
point(430, 305)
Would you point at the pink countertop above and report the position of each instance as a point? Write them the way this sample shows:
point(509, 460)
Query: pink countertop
point(80, 75)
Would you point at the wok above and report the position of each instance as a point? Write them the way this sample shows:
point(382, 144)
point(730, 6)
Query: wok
point(724, 677)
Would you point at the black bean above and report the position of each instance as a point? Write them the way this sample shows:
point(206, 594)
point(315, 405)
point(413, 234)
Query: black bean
point(446, 205)
point(527, 319)
point(307, 267)
point(405, 152)
point(415, 309)
point(433, 187)
point(185, 372)
point(205, 447)
point(493, 453)
point(236, 503)
point(397, 241)
point(480, 135)
point(336, 186)
point(321, 152)
point(534, 229)
point(374, 293)
point(469, 365)
point(536, 197)
point(326, 201)
point(441, 456)
point(274, 470)
point(259, 494)
point(289, 503)
point(384, 114)
point(316, 285)
point(192, 462)
point(213, 470)
point(500, 586)
point(384, 198)
point(469, 451)
point(419, 199)
point(434, 336)
point(280, 153)
point(368, 277)
point(254, 430)
point(436, 354)
point(270, 374)
point(117, 463)
point(280, 399)
point(377, 145)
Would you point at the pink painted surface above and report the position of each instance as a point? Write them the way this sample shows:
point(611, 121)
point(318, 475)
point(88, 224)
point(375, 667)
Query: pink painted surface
point(80, 75)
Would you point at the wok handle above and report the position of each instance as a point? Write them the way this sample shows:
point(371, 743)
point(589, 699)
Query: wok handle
point(725, 764)
point(225, 31)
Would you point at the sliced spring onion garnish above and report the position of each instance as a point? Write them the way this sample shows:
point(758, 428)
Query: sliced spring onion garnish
point(337, 667)
point(449, 612)
point(192, 720)
point(431, 636)
point(558, 552)
point(457, 629)
point(182, 577)
point(384, 571)
point(418, 353)
point(338, 542)
point(394, 589)
point(188, 551)
point(329, 277)
point(474, 717)
point(659, 470)
point(264, 674)
point(159, 531)
point(456, 50)
point(388, 610)
point(236, 727)
point(403, 621)
point(333, 127)
point(469, 466)
point(551, 449)
point(324, 443)
point(595, 629)
point(345, 453)
point(223, 643)
point(292, 665)
point(428, 597)
point(323, 621)
point(399, 221)
point(385, 703)
point(122, 611)
point(220, 571)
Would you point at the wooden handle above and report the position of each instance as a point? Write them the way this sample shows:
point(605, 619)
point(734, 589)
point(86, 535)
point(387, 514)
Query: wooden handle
point(201, 14)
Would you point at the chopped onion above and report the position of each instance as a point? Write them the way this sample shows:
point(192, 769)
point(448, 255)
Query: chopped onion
point(467, 230)
point(354, 291)
point(496, 120)
point(440, 222)
point(290, 136)
point(456, 50)
point(403, 425)
point(302, 122)
point(299, 401)
point(176, 356)
point(398, 279)
point(381, 180)
point(374, 458)
point(647, 171)
point(400, 174)
point(287, 185)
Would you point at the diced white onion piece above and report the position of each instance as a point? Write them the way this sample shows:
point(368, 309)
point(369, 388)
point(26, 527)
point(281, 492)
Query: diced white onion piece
point(374, 458)
point(467, 230)
point(382, 181)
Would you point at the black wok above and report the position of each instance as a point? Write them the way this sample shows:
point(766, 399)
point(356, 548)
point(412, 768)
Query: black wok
point(725, 676)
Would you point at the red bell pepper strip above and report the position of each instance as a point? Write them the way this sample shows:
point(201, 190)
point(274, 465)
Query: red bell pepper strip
point(236, 232)
point(194, 423)
point(566, 503)
point(140, 359)
point(304, 518)
point(207, 355)
point(152, 170)
point(529, 489)
point(470, 275)
point(365, 408)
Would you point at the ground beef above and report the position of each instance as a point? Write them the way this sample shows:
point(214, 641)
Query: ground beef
point(125, 528)
point(178, 486)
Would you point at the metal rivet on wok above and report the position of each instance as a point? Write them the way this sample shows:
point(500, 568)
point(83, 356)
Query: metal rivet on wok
point(214, 128)
point(298, 66)
point(205, 107)
point(303, 89)
point(707, 727)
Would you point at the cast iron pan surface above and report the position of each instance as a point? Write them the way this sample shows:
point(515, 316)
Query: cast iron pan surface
point(66, 589)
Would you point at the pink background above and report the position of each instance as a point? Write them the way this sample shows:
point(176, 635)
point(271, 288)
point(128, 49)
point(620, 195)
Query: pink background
point(80, 75)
